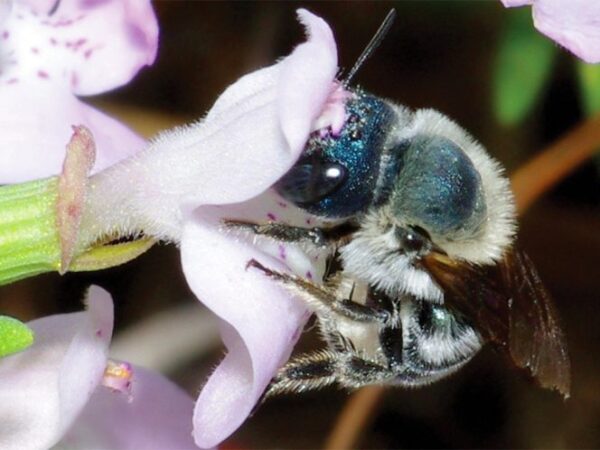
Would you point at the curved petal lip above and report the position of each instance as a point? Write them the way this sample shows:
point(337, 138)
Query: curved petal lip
point(264, 323)
point(307, 80)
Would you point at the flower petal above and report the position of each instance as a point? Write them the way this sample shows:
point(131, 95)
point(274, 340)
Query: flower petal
point(36, 127)
point(241, 148)
point(159, 416)
point(88, 46)
point(307, 77)
point(5, 7)
point(265, 322)
point(45, 387)
point(574, 24)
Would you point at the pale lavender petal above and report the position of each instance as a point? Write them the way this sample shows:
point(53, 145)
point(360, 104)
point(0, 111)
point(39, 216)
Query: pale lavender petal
point(265, 322)
point(38, 6)
point(574, 24)
point(86, 46)
point(307, 77)
point(245, 93)
point(239, 150)
point(44, 388)
point(512, 3)
point(159, 416)
point(5, 7)
point(36, 127)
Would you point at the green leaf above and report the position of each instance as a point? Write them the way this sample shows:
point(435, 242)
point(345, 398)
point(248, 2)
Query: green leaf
point(15, 336)
point(522, 68)
point(589, 85)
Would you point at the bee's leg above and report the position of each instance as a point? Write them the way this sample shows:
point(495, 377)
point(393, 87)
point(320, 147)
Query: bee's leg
point(319, 237)
point(317, 370)
point(319, 297)
point(357, 372)
point(304, 373)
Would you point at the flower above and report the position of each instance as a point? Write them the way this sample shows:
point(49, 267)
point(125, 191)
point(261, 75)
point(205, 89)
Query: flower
point(189, 179)
point(53, 51)
point(56, 389)
point(574, 24)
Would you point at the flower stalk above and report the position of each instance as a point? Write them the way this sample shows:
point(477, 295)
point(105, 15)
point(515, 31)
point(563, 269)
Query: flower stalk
point(29, 240)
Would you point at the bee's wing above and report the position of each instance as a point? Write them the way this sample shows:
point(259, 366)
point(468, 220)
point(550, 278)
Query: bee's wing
point(510, 307)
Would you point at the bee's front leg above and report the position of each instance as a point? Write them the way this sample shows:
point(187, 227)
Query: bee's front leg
point(319, 237)
point(319, 297)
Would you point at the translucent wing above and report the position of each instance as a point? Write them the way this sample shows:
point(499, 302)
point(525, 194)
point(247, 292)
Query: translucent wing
point(510, 307)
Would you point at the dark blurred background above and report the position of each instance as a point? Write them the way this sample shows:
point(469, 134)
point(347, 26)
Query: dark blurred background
point(437, 55)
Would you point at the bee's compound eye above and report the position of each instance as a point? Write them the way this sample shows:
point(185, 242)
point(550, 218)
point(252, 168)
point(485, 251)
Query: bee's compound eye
point(310, 180)
point(338, 175)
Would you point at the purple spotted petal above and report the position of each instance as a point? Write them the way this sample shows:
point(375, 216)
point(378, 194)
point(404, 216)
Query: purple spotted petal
point(574, 24)
point(157, 417)
point(43, 389)
point(85, 46)
point(36, 127)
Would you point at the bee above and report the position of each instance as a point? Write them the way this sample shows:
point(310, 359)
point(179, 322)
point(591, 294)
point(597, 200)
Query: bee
point(422, 270)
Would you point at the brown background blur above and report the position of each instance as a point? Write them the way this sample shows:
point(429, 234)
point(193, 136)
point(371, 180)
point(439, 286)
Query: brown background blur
point(439, 55)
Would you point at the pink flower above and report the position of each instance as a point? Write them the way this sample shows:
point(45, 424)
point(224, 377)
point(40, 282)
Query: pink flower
point(53, 51)
point(54, 390)
point(574, 24)
point(191, 178)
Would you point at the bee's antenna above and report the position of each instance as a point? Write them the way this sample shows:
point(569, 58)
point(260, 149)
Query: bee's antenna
point(372, 45)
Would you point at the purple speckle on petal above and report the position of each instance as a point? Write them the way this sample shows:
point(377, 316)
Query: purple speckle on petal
point(88, 53)
point(12, 81)
point(99, 333)
point(43, 74)
point(5, 35)
point(271, 216)
point(137, 37)
point(35, 50)
point(53, 41)
point(309, 275)
point(308, 221)
point(282, 204)
point(282, 254)
point(90, 4)
point(74, 80)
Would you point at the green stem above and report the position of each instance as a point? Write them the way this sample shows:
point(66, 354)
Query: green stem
point(29, 243)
